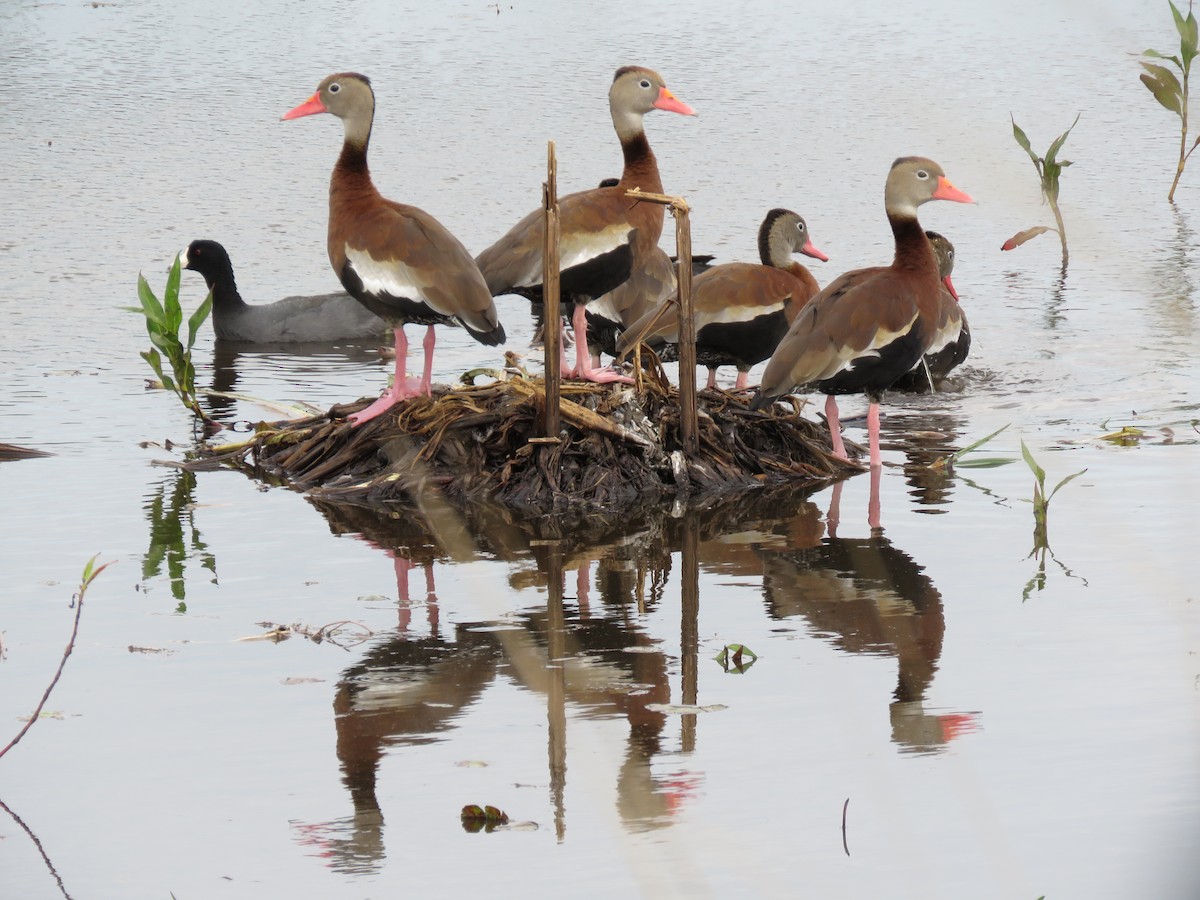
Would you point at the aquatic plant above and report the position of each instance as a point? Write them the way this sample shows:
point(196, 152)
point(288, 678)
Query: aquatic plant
point(957, 458)
point(163, 322)
point(1171, 91)
point(736, 658)
point(1041, 510)
point(1049, 169)
point(90, 573)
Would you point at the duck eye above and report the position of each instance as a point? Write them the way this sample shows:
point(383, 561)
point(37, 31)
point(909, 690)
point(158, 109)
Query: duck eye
point(334, 88)
point(645, 83)
point(922, 174)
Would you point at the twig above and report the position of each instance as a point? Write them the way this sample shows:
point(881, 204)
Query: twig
point(89, 575)
point(33, 837)
point(845, 846)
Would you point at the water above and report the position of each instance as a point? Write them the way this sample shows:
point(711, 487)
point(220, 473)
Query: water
point(996, 733)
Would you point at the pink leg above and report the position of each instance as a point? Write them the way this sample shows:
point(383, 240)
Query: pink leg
point(873, 504)
point(401, 388)
point(402, 566)
point(565, 368)
point(873, 433)
point(743, 381)
point(431, 600)
point(583, 366)
point(835, 427)
point(712, 380)
point(834, 517)
point(427, 372)
point(582, 587)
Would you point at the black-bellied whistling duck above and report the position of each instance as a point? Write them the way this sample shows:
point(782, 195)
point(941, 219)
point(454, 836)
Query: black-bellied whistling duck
point(610, 315)
point(604, 235)
point(869, 326)
point(397, 260)
point(742, 310)
point(952, 341)
point(292, 320)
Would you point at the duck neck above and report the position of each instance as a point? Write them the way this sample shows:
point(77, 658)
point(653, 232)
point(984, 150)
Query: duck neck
point(641, 168)
point(772, 249)
point(913, 250)
point(351, 177)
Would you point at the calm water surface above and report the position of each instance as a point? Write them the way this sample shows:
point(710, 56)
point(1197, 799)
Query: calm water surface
point(1001, 725)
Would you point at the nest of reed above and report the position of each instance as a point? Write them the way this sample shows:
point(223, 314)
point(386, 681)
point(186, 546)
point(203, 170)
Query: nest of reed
point(619, 447)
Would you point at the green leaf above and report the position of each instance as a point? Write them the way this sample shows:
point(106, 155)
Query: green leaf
point(958, 454)
point(1024, 142)
point(171, 298)
point(1165, 87)
point(151, 356)
point(1062, 139)
point(167, 343)
point(150, 305)
point(197, 319)
point(1154, 54)
point(1038, 472)
point(984, 462)
point(1064, 483)
point(1185, 26)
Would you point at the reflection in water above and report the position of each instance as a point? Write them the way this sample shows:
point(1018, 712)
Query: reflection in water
point(589, 654)
point(865, 596)
point(1058, 298)
point(1174, 306)
point(170, 512)
point(925, 436)
point(306, 367)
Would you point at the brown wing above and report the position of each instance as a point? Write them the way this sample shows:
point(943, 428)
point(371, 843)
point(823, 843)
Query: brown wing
point(855, 316)
point(411, 255)
point(591, 223)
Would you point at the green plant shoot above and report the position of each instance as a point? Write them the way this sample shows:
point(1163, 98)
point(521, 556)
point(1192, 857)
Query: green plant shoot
point(1049, 169)
point(1041, 510)
point(163, 322)
point(1172, 91)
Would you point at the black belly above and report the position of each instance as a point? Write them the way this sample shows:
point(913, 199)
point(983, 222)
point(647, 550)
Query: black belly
point(741, 344)
point(394, 310)
point(873, 375)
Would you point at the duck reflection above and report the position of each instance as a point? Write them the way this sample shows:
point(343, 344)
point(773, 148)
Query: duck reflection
point(588, 652)
point(864, 595)
point(925, 436)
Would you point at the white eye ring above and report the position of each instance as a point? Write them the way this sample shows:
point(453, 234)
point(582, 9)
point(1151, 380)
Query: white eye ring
point(922, 174)
point(645, 82)
point(334, 88)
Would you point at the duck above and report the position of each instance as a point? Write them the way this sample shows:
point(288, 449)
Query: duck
point(397, 260)
point(953, 339)
point(610, 315)
point(604, 236)
point(869, 326)
point(292, 320)
point(741, 310)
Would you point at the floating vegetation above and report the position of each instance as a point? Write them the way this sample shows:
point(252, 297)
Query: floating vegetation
point(616, 449)
point(1172, 91)
point(477, 818)
point(958, 457)
point(736, 658)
